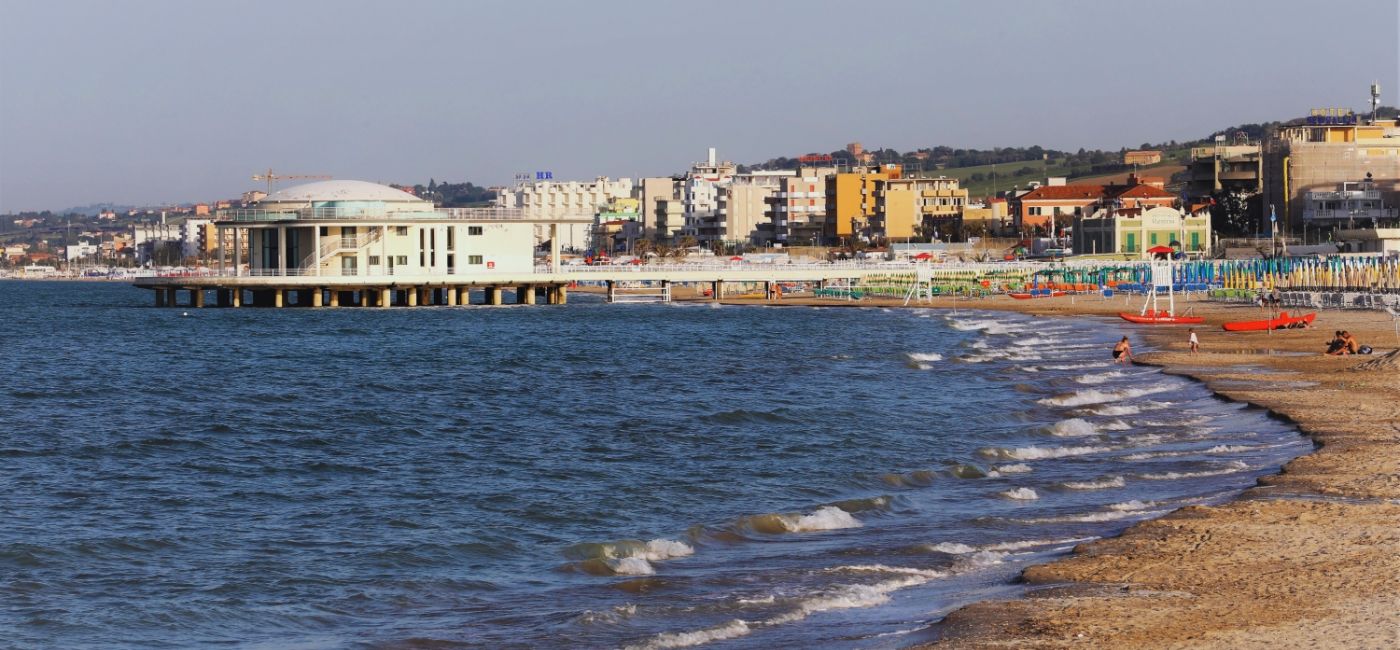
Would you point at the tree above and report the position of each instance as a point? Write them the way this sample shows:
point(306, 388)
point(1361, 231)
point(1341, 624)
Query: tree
point(1231, 214)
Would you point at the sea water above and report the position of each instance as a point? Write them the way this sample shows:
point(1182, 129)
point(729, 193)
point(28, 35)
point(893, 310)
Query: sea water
point(589, 475)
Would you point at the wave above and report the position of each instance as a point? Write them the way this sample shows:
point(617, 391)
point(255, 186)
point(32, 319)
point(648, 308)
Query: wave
point(955, 548)
point(1014, 468)
point(1096, 396)
point(1101, 484)
point(1133, 506)
point(1038, 453)
point(1075, 366)
point(731, 630)
point(1110, 515)
point(916, 478)
point(1127, 409)
point(1073, 428)
point(1100, 377)
point(857, 596)
point(654, 550)
point(1037, 340)
point(924, 356)
point(1020, 494)
point(824, 518)
point(1233, 467)
point(988, 326)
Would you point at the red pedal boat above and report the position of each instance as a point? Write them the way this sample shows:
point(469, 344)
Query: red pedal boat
point(1161, 318)
point(1283, 321)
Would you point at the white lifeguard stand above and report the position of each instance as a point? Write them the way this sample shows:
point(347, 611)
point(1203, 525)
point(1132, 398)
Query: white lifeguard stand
point(1161, 277)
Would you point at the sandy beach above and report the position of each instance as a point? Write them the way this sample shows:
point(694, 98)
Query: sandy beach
point(1309, 557)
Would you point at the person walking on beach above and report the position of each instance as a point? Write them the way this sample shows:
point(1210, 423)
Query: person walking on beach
point(1195, 342)
point(1123, 352)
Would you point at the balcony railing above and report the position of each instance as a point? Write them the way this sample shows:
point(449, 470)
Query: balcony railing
point(339, 213)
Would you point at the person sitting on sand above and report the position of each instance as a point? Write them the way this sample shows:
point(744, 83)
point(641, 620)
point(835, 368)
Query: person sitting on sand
point(1123, 352)
point(1352, 345)
point(1338, 345)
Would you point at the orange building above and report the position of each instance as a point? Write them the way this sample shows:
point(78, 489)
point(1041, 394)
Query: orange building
point(1055, 206)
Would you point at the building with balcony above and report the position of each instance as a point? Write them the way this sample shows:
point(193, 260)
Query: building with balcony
point(741, 208)
point(700, 190)
point(354, 228)
point(1351, 204)
point(796, 212)
point(908, 207)
point(574, 201)
point(1236, 168)
point(1131, 231)
point(851, 201)
point(1324, 153)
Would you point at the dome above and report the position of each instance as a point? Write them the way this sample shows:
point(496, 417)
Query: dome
point(322, 191)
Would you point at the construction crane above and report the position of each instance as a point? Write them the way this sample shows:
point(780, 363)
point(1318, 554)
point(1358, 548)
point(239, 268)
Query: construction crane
point(271, 177)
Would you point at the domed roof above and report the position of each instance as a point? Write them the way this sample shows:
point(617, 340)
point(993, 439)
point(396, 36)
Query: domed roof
point(339, 191)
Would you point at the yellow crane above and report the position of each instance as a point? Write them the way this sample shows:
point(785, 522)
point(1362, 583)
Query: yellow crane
point(270, 177)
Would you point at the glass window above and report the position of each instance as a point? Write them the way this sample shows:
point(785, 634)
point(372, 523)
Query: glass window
point(401, 230)
point(473, 230)
point(474, 259)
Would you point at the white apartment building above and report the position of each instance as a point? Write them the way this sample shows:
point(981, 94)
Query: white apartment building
point(84, 248)
point(548, 200)
point(796, 211)
point(700, 191)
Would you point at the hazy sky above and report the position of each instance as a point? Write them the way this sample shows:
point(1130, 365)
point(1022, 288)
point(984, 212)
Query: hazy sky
point(145, 102)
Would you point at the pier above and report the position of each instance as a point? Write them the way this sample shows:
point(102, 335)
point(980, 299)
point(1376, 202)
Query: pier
point(544, 285)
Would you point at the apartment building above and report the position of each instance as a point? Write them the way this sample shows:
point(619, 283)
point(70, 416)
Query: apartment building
point(1322, 154)
point(908, 207)
point(796, 213)
point(1235, 168)
point(1053, 206)
point(543, 200)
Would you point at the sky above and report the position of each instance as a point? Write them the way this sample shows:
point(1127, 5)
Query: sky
point(148, 102)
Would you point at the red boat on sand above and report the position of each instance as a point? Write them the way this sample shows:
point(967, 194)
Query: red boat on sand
point(1283, 321)
point(1151, 317)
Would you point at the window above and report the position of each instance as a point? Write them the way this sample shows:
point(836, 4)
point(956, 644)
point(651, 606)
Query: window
point(402, 260)
point(474, 259)
point(1034, 212)
point(325, 231)
point(451, 240)
point(401, 230)
point(374, 260)
point(473, 230)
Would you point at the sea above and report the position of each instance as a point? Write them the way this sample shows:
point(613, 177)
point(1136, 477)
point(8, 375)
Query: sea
point(579, 476)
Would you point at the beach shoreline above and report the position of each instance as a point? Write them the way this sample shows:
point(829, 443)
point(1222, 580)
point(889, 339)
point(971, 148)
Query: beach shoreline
point(1309, 556)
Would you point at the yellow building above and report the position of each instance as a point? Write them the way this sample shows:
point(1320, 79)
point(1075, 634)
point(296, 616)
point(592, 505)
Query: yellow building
point(1131, 231)
point(851, 199)
point(902, 205)
point(1330, 149)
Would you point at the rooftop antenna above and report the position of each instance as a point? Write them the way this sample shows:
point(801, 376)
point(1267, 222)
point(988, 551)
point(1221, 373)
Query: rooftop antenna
point(1375, 99)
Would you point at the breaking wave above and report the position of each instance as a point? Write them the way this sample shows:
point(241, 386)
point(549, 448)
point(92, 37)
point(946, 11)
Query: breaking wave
point(731, 630)
point(1101, 484)
point(1096, 396)
point(1020, 494)
point(1232, 467)
point(824, 518)
point(1039, 453)
point(1073, 428)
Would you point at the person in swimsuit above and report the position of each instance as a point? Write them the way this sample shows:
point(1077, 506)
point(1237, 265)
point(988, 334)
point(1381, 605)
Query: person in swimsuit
point(1123, 352)
point(1195, 342)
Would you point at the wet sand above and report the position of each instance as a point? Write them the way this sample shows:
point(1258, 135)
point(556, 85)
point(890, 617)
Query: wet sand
point(1309, 557)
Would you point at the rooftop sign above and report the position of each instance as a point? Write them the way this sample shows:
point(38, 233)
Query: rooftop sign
point(1331, 117)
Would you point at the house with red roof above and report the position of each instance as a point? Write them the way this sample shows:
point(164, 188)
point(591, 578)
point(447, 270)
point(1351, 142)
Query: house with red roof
point(1055, 205)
